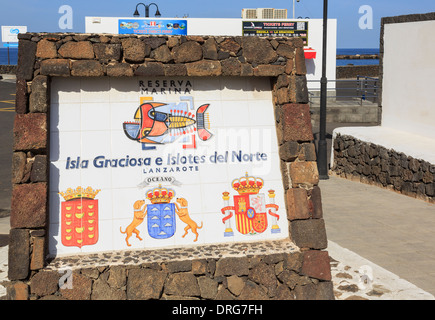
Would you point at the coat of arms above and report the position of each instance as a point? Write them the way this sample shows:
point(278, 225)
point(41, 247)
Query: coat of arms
point(161, 215)
point(250, 207)
point(79, 217)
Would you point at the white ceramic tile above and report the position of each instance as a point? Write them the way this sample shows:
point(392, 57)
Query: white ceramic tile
point(68, 111)
point(65, 90)
point(122, 112)
point(233, 88)
point(207, 89)
point(95, 116)
point(124, 90)
point(261, 113)
point(259, 88)
point(64, 145)
point(212, 196)
point(97, 178)
point(95, 90)
point(95, 143)
point(214, 229)
point(235, 113)
point(123, 200)
point(130, 177)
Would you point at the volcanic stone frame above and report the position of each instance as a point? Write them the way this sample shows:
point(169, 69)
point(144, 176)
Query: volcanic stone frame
point(294, 268)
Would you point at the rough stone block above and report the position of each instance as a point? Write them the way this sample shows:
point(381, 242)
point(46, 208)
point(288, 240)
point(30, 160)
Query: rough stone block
point(297, 204)
point(19, 291)
point(46, 49)
point(304, 173)
point(150, 69)
point(182, 284)
point(29, 205)
point(268, 70)
point(44, 283)
point(145, 284)
point(300, 66)
point(296, 122)
point(301, 90)
point(232, 266)
point(309, 233)
point(315, 203)
point(18, 254)
point(105, 51)
point(204, 68)
point(285, 50)
point(38, 101)
point(86, 68)
point(18, 166)
point(21, 96)
point(77, 50)
point(175, 70)
point(316, 264)
point(38, 253)
point(162, 54)
point(289, 151)
point(26, 59)
point(55, 67)
point(189, 51)
point(81, 288)
point(231, 67)
point(134, 50)
point(119, 70)
point(209, 49)
point(30, 131)
point(258, 51)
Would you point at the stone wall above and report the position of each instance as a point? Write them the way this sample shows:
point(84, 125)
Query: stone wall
point(350, 72)
point(374, 164)
point(42, 56)
point(8, 69)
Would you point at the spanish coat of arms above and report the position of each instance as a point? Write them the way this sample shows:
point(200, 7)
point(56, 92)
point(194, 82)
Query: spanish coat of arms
point(250, 208)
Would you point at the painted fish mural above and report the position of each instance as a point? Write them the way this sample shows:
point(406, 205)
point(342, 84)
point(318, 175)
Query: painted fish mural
point(160, 123)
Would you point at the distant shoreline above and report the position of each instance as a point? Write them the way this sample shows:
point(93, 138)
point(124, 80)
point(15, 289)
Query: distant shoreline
point(357, 56)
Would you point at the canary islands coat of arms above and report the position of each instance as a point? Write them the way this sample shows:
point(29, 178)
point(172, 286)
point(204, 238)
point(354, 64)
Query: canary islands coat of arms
point(160, 215)
point(250, 208)
point(79, 217)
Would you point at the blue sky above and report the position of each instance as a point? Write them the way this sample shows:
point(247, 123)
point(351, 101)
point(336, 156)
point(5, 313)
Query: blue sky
point(43, 16)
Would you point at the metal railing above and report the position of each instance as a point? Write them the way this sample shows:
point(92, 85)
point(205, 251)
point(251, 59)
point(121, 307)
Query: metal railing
point(361, 89)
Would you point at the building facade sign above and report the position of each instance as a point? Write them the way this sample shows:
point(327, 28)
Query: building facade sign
point(276, 29)
point(157, 162)
point(152, 26)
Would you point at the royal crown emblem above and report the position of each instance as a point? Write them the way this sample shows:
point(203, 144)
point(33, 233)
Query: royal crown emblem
point(160, 195)
point(79, 193)
point(250, 208)
point(246, 184)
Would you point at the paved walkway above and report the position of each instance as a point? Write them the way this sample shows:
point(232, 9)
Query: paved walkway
point(384, 229)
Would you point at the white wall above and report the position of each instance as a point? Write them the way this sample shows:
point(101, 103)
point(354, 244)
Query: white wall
point(233, 27)
point(408, 79)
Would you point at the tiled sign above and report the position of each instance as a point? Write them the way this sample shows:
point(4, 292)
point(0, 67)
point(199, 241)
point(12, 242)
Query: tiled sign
point(157, 162)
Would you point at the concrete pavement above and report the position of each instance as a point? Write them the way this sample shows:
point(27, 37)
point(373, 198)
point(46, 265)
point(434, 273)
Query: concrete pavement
point(393, 232)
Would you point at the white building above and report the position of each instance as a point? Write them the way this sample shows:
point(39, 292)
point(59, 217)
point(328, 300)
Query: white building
point(235, 27)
